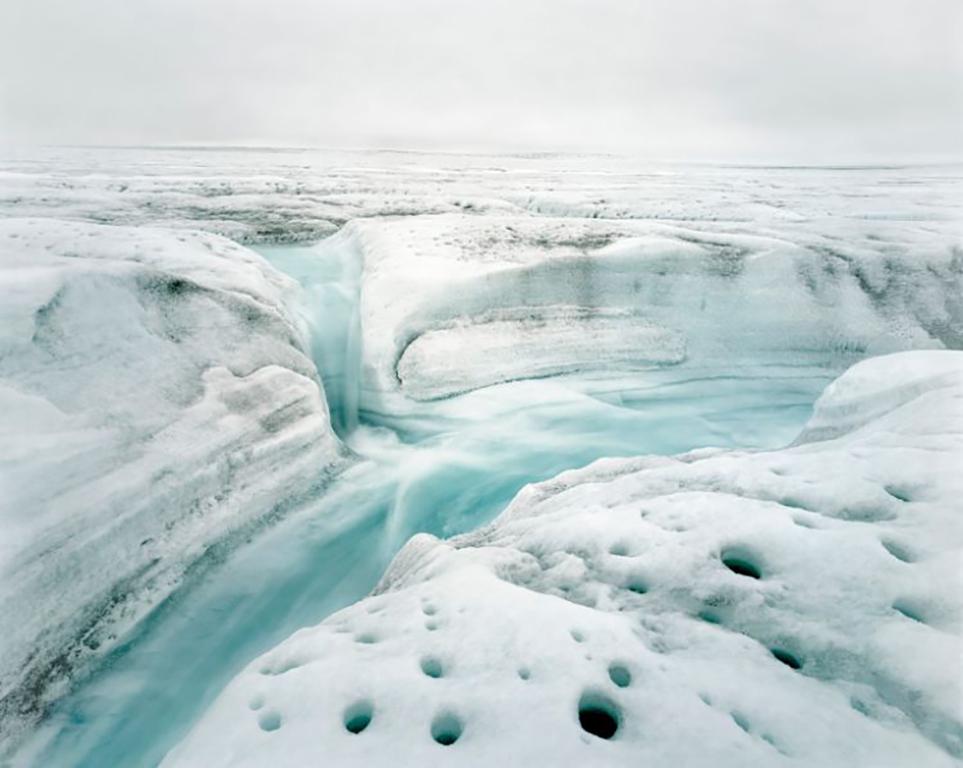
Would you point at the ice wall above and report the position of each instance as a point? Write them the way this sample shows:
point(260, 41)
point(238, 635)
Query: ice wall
point(452, 303)
point(158, 405)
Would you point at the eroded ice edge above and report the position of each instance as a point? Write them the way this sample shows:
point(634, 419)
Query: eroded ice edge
point(522, 317)
point(793, 607)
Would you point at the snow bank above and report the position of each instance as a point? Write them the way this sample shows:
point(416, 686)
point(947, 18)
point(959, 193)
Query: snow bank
point(452, 303)
point(793, 607)
point(157, 404)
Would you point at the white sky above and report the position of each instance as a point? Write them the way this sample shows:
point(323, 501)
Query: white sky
point(684, 79)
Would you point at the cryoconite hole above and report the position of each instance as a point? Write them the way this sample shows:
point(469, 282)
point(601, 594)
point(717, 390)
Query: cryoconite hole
point(620, 675)
point(898, 551)
point(709, 617)
point(909, 610)
point(269, 721)
point(256, 702)
point(358, 716)
point(742, 563)
point(446, 728)
point(786, 658)
point(598, 715)
point(638, 586)
point(900, 494)
point(431, 666)
point(740, 719)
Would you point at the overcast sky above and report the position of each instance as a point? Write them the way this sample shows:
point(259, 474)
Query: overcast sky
point(699, 79)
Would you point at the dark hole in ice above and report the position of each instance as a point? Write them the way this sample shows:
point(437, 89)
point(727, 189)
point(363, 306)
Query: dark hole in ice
point(598, 715)
point(358, 716)
point(446, 728)
point(178, 286)
point(638, 586)
point(899, 494)
point(786, 658)
point(741, 562)
point(620, 675)
point(619, 549)
point(909, 611)
point(524, 673)
point(431, 666)
point(898, 551)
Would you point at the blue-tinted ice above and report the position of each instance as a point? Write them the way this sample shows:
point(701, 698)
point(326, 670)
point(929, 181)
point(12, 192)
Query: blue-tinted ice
point(434, 473)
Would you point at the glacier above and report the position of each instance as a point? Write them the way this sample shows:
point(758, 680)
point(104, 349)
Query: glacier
point(157, 398)
point(245, 379)
point(792, 607)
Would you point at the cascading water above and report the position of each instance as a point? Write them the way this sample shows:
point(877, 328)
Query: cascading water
point(468, 456)
point(330, 280)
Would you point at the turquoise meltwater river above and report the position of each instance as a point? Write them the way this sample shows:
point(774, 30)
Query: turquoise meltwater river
point(447, 470)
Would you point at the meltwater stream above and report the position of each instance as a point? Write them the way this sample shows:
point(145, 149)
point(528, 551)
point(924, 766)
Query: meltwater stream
point(464, 463)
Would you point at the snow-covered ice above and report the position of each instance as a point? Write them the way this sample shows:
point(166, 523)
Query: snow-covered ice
point(157, 401)
point(792, 607)
point(479, 323)
point(451, 303)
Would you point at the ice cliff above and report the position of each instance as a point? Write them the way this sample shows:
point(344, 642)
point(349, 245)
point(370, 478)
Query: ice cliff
point(158, 405)
point(452, 303)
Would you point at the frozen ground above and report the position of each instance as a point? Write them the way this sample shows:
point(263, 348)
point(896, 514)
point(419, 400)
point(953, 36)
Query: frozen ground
point(478, 323)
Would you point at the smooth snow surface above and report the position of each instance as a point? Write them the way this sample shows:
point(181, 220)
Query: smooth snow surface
point(792, 607)
point(157, 401)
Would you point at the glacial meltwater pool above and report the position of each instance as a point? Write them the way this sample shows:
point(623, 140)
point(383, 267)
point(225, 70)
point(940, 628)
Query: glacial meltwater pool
point(446, 469)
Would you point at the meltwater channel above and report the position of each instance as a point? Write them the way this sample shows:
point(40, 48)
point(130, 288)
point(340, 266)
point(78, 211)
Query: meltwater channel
point(446, 472)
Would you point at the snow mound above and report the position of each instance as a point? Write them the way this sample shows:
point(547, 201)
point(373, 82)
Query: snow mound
point(452, 303)
point(792, 607)
point(157, 403)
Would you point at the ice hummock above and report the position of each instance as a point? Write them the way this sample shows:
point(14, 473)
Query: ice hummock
point(790, 607)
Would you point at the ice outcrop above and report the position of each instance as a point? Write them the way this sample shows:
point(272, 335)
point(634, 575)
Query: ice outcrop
point(157, 405)
point(483, 269)
point(794, 607)
point(452, 303)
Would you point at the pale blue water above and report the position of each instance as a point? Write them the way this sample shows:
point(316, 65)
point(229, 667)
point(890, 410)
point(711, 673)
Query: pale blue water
point(445, 474)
